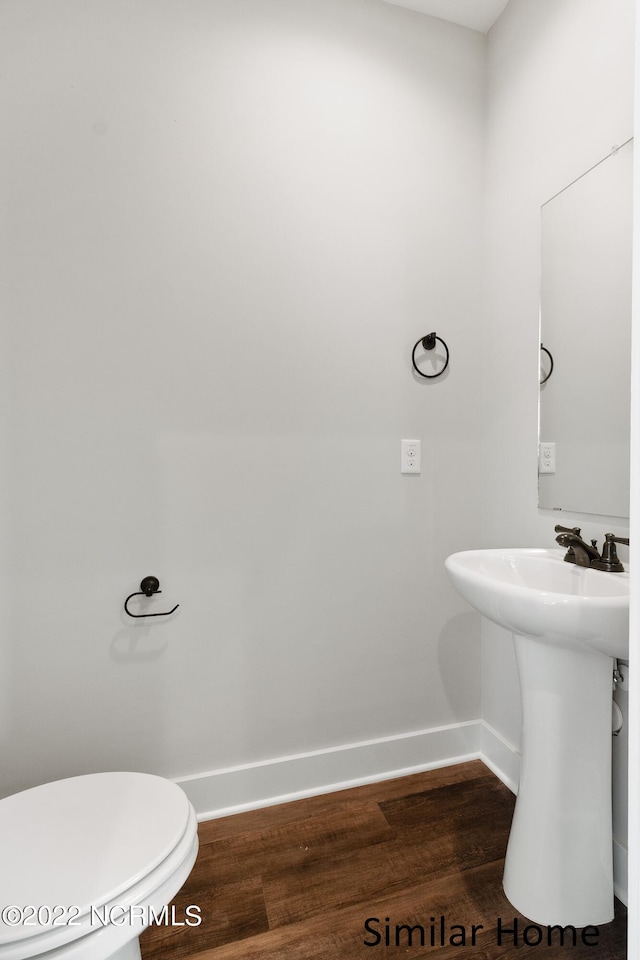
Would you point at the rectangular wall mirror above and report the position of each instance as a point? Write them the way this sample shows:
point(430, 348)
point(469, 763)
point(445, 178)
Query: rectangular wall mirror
point(585, 333)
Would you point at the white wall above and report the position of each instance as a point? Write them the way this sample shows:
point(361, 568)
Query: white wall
point(560, 96)
point(225, 224)
point(633, 948)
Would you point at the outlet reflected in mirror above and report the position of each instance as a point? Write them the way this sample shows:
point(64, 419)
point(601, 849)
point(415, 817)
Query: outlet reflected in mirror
point(585, 330)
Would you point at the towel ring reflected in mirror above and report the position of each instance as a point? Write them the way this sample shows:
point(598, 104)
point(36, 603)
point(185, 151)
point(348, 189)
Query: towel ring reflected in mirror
point(548, 353)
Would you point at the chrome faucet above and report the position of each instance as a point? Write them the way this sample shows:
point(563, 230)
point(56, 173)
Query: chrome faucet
point(583, 555)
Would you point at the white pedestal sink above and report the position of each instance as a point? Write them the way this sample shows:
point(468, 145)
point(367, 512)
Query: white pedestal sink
point(568, 623)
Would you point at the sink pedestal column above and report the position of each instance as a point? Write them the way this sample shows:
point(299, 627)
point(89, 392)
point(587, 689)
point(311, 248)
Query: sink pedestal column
point(559, 862)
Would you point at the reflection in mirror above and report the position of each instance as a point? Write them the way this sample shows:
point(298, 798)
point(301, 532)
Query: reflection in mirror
point(586, 339)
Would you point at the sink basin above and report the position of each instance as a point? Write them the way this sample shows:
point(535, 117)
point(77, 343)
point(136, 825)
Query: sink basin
point(534, 592)
point(568, 623)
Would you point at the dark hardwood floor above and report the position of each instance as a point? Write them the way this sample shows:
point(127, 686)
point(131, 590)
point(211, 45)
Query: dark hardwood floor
point(331, 877)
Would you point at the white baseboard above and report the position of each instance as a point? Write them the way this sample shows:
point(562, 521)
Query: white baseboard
point(220, 793)
point(620, 867)
point(500, 756)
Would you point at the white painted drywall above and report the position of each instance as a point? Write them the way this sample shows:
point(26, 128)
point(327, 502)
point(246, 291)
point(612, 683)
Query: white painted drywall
point(560, 96)
point(477, 14)
point(224, 227)
point(633, 927)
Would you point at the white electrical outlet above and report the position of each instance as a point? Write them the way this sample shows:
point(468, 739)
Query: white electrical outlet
point(547, 458)
point(409, 456)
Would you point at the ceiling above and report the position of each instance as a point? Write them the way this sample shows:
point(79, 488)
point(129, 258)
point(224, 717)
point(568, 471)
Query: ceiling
point(477, 14)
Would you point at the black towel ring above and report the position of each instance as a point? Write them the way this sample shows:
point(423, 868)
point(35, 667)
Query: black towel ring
point(148, 587)
point(548, 353)
point(429, 343)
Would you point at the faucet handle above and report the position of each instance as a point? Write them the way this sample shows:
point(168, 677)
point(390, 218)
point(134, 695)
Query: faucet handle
point(560, 529)
point(610, 538)
point(609, 560)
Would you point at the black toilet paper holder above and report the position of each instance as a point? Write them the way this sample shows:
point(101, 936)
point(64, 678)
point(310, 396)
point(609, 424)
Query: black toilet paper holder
point(148, 587)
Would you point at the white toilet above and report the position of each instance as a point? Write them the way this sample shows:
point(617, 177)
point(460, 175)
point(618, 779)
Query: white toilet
point(85, 862)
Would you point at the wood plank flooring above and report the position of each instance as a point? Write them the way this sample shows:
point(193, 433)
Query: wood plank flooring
point(301, 880)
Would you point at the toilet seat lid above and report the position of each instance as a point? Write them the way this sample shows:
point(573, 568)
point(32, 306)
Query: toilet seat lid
point(84, 841)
